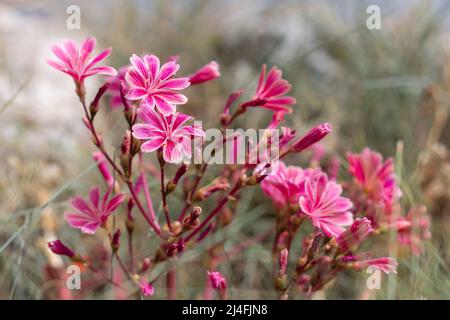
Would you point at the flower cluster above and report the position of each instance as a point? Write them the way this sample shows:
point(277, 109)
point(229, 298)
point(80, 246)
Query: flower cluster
point(336, 217)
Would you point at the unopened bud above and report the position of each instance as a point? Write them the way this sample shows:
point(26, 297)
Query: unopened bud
point(93, 108)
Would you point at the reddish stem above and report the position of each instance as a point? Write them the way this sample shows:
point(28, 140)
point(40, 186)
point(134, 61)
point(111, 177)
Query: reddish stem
point(171, 284)
point(216, 210)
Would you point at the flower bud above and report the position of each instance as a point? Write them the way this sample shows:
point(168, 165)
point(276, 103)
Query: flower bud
point(102, 166)
point(147, 288)
point(57, 247)
point(115, 242)
point(217, 281)
point(93, 108)
point(283, 261)
point(314, 135)
point(355, 235)
point(206, 73)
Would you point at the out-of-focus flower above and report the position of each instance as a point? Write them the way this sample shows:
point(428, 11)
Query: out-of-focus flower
point(414, 229)
point(92, 214)
point(78, 63)
point(100, 159)
point(318, 150)
point(114, 88)
point(155, 86)
point(356, 234)
point(206, 73)
point(166, 133)
point(272, 91)
point(333, 167)
point(375, 177)
point(59, 248)
point(286, 184)
point(322, 202)
point(311, 137)
point(385, 264)
point(147, 288)
point(218, 281)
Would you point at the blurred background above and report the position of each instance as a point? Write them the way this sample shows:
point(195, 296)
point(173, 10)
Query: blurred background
point(388, 89)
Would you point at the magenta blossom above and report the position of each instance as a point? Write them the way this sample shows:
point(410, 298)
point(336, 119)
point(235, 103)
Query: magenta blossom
point(286, 184)
point(167, 133)
point(206, 73)
point(272, 90)
point(89, 216)
point(218, 281)
point(155, 86)
point(385, 264)
point(78, 63)
point(375, 177)
point(322, 202)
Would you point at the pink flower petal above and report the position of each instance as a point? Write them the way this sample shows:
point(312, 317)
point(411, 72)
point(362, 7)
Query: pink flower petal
point(164, 106)
point(152, 145)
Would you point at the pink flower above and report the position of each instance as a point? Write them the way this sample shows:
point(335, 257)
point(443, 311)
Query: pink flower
point(323, 203)
point(218, 281)
point(206, 73)
point(155, 86)
point(356, 234)
point(167, 133)
point(286, 184)
point(311, 137)
point(272, 90)
point(414, 229)
point(375, 177)
point(147, 288)
point(385, 264)
point(59, 248)
point(78, 63)
point(89, 216)
point(114, 88)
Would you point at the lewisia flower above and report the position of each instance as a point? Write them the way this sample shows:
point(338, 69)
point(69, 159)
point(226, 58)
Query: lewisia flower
point(272, 91)
point(356, 234)
point(167, 133)
point(155, 86)
point(78, 63)
point(92, 214)
point(414, 229)
point(385, 264)
point(206, 73)
point(323, 203)
point(286, 184)
point(375, 177)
